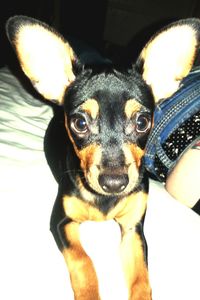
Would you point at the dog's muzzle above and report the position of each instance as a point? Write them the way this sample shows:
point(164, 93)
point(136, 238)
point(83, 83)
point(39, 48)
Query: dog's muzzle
point(113, 183)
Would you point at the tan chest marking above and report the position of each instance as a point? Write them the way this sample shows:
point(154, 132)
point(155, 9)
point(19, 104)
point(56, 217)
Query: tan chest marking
point(81, 211)
point(128, 212)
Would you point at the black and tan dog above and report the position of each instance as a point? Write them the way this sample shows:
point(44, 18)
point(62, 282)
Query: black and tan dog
point(108, 116)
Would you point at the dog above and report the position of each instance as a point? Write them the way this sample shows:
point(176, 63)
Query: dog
point(108, 116)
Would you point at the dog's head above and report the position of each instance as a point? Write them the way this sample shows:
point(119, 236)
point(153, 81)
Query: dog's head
point(108, 111)
point(108, 118)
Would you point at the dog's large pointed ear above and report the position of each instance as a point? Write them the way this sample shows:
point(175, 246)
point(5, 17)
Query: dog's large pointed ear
point(169, 56)
point(45, 57)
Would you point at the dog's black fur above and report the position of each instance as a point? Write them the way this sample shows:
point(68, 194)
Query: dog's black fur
point(105, 122)
point(112, 87)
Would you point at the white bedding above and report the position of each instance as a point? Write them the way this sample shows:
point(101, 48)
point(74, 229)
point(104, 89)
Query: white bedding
point(31, 266)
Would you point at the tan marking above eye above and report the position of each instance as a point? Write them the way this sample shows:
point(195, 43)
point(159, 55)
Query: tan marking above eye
point(131, 107)
point(91, 107)
point(81, 211)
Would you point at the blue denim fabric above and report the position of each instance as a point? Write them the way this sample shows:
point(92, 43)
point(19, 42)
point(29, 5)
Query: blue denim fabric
point(170, 116)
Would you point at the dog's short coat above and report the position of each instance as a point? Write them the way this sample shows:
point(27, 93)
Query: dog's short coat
point(108, 116)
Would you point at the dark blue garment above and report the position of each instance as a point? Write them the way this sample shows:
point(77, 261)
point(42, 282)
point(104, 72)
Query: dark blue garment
point(176, 127)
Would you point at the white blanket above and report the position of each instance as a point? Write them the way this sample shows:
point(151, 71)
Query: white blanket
point(31, 267)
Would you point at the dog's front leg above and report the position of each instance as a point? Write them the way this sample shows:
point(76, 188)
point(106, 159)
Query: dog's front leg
point(101, 241)
point(134, 265)
point(82, 274)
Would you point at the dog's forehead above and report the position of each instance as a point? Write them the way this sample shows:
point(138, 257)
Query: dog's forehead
point(108, 88)
point(111, 83)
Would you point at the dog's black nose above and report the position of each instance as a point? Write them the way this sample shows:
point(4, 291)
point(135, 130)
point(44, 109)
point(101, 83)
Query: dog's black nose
point(113, 183)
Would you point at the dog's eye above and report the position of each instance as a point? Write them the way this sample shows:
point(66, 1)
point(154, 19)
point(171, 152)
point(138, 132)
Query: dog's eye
point(143, 122)
point(79, 125)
